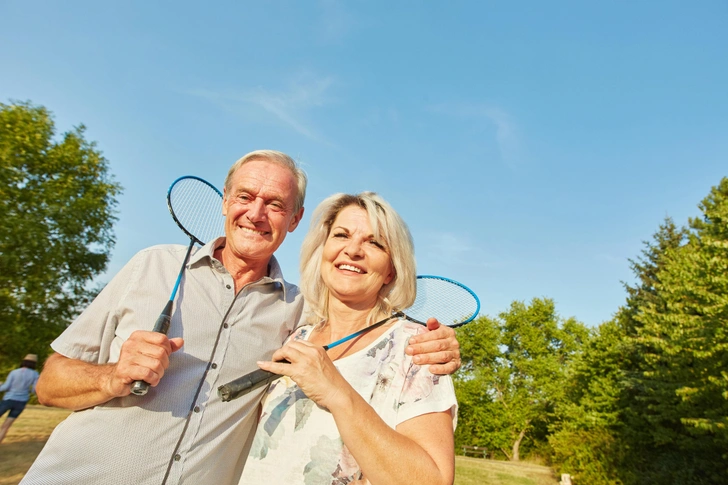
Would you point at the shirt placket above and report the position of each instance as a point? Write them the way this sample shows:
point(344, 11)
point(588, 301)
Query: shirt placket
point(230, 301)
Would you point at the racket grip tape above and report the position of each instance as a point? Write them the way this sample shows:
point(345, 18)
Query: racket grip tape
point(140, 388)
point(243, 385)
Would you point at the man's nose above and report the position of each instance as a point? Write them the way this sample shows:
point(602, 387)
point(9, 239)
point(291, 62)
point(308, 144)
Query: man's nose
point(256, 211)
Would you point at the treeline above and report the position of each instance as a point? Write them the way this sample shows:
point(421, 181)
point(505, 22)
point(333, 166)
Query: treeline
point(641, 399)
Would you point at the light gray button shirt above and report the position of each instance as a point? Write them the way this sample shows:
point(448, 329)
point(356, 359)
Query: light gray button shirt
point(180, 432)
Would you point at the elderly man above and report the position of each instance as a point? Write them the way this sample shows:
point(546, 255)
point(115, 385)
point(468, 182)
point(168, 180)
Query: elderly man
point(233, 309)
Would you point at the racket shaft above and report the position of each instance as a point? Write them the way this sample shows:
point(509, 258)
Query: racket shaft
point(162, 323)
point(243, 385)
point(140, 388)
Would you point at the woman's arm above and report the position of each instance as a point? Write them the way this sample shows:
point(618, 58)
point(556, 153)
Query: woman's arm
point(419, 451)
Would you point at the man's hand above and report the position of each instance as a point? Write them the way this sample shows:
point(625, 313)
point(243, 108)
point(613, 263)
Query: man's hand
point(76, 384)
point(438, 347)
point(144, 357)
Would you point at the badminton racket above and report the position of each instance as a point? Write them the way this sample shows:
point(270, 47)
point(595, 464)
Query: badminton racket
point(191, 201)
point(451, 303)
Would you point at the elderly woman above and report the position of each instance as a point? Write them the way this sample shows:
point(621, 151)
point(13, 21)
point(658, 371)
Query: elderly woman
point(359, 411)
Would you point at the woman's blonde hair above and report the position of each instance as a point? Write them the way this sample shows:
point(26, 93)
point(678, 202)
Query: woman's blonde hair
point(388, 227)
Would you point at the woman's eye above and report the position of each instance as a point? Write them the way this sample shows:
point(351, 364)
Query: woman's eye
point(377, 244)
point(340, 235)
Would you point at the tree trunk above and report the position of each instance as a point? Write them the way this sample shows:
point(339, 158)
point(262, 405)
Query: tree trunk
point(517, 444)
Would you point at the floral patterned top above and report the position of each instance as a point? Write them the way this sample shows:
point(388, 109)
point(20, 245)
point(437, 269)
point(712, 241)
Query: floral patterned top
point(297, 442)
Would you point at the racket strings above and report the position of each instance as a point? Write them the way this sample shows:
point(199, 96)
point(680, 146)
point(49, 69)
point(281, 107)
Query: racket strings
point(192, 202)
point(446, 300)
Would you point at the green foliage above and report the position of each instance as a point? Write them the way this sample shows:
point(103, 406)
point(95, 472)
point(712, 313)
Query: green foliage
point(683, 387)
point(512, 376)
point(584, 440)
point(648, 397)
point(590, 456)
point(57, 204)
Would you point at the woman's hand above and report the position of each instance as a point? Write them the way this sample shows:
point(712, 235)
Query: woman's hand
point(311, 368)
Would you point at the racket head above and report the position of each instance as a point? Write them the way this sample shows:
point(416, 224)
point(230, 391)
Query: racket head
point(451, 302)
point(194, 203)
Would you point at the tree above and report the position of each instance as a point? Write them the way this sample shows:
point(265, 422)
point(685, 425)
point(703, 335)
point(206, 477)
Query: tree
point(684, 343)
point(654, 405)
point(57, 204)
point(513, 374)
point(605, 434)
point(585, 439)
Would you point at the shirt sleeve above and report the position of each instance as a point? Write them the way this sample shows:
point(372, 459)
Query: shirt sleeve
point(6, 385)
point(424, 392)
point(35, 381)
point(90, 336)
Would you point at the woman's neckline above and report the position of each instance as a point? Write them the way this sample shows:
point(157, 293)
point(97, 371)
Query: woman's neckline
point(396, 322)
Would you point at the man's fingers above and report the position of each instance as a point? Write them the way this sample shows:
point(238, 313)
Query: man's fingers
point(432, 324)
point(429, 347)
point(444, 369)
point(445, 356)
point(176, 343)
point(437, 332)
point(146, 374)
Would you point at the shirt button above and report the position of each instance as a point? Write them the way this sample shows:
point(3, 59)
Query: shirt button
point(177, 457)
point(197, 409)
point(228, 286)
point(225, 325)
point(214, 366)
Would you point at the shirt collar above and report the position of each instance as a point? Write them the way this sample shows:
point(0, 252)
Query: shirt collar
point(206, 255)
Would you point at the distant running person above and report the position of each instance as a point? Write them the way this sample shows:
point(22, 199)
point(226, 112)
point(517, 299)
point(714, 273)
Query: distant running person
point(18, 386)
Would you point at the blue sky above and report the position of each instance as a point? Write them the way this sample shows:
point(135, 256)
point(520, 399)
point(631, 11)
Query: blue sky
point(531, 146)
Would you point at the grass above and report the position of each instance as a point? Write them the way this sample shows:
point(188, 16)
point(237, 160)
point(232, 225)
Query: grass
point(477, 471)
point(31, 430)
point(25, 439)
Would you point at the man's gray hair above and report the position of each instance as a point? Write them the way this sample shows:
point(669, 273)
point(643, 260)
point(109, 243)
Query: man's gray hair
point(274, 157)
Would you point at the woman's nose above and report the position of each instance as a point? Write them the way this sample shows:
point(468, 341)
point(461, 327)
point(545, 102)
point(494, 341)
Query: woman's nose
point(354, 248)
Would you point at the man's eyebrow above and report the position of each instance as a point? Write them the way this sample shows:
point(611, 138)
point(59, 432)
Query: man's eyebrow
point(268, 199)
point(240, 190)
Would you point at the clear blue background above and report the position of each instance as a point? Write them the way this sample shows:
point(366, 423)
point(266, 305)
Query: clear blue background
point(531, 146)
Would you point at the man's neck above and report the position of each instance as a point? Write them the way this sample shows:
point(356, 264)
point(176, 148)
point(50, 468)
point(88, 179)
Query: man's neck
point(243, 271)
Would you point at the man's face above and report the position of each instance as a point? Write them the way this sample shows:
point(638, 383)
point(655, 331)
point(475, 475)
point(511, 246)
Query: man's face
point(259, 209)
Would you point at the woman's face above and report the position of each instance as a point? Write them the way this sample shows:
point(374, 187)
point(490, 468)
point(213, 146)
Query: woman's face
point(355, 265)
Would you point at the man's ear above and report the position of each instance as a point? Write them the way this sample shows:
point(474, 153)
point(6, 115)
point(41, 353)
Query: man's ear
point(224, 199)
point(295, 220)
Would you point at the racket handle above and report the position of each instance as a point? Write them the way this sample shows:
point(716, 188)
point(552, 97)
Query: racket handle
point(243, 385)
point(140, 388)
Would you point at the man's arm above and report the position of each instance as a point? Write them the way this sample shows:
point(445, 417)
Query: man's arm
point(439, 347)
point(76, 384)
